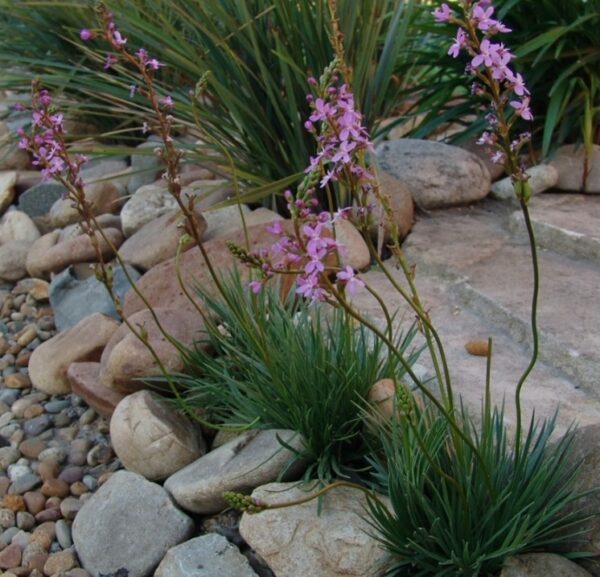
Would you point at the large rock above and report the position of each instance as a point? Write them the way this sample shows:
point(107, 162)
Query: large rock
point(85, 341)
point(145, 164)
point(541, 178)
point(13, 256)
point(102, 197)
point(248, 461)
point(126, 360)
point(354, 252)
point(401, 204)
point(151, 201)
point(541, 565)
point(158, 240)
point(38, 200)
point(570, 163)
point(127, 527)
point(225, 219)
point(16, 225)
point(74, 298)
point(210, 555)
point(153, 439)
point(585, 449)
point(438, 175)
point(47, 255)
point(161, 287)
point(84, 379)
point(301, 541)
point(7, 189)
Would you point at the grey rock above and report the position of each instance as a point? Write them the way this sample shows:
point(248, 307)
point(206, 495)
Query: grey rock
point(13, 257)
point(24, 483)
point(56, 406)
point(569, 161)
point(301, 542)
point(541, 178)
point(210, 555)
point(250, 460)
point(8, 456)
point(438, 175)
point(63, 534)
point(38, 200)
point(145, 168)
point(541, 565)
point(72, 298)
point(17, 226)
point(128, 525)
point(8, 534)
point(33, 427)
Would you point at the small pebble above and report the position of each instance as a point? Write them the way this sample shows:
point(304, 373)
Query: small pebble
point(22, 539)
point(71, 474)
point(33, 411)
point(34, 427)
point(60, 562)
point(63, 534)
point(13, 502)
point(78, 451)
point(56, 406)
point(45, 534)
point(35, 554)
point(17, 470)
point(87, 417)
point(55, 488)
point(7, 518)
point(27, 336)
point(25, 520)
point(48, 515)
point(7, 535)
point(47, 470)
point(31, 448)
point(10, 557)
point(8, 456)
point(90, 482)
point(62, 420)
point(9, 396)
point(34, 501)
point(54, 454)
point(6, 418)
point(100, 455)
point(78, 488)
point(24, 484)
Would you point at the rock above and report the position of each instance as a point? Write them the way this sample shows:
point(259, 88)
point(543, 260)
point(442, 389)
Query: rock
point(8, 456)
point(496, 170)
point(38, 200)
point(128, 525)
point(438, 175)
point(301, 542)
point(158, 240)
point(17, 381)
point(354, 252)
point(73, 298)
point(585, 449)
point(126, 359)
point(13, 257)
point(10, 557)
point(210, 555)
point(84, 379)
point(17, 226)
point(162, 289)
point(541, 565)
point(401, 204)
point(569, 161)
point(60, 562)
point(477, 348)
point(47, 255)
point(225, 219)
point(145, 164)
point(103, 197)
point(541, 178)
point(7, 189)
point(151, 201)
point(153, 439)
point(84, 342)
point(248, 461)
point(383, 396)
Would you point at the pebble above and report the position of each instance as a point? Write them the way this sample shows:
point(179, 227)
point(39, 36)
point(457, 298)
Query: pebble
point(7, 518)
point(60, 562)
point(25, 520)
point(78, 451)
point(10, 557)
point(69, 507)
point(53, 454)
point(18, 470)
point(32, 448)
point(8, 456)
point(34, 501)
point(13, 502)
point(71, 474)
point(88, 417)
point(21, 538)
point(56, 406)
point(33, 411)
point(35, 426)
point(6, 418)
point(48, 470)
point(55, 488)
point(63, 534)
point(100, 455)
point(24, 484)
point(17, 381)
point(78, 488)
point(7, 536)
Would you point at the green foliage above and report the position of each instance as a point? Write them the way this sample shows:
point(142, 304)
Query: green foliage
point(457, 512)
point(288, 365)
point(253, 57)
point(558, 52)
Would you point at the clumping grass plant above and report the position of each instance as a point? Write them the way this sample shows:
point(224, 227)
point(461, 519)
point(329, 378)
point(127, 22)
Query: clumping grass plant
point(274, 364)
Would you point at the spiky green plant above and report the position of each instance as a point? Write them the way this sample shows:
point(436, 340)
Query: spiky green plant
point(287, 365)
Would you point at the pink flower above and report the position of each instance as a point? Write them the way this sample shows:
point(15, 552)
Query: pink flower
point(256, 286)
point(118, 39)
point(522, 108)
point(275, 228)
point(348, 278)
point(459, 43)
point(86, 34)
point(154, 64)
point(167, 101)
point(517, 83)
point(442, 14)
point(110, 61)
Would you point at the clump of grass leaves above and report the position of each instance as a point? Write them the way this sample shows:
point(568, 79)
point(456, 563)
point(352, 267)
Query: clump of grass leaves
point(283, 364)
point(456, 511)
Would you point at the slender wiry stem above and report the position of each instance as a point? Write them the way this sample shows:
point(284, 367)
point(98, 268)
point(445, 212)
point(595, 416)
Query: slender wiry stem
point(534, 327)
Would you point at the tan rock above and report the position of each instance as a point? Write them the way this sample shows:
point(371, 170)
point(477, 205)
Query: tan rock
point(226, 219)
point(541, 565)
point(354, 252)
point(60, 562)
point(7, 189)
point(570, 163)
point(85, 383)
point(126, 359)
point(47, 255)
point(298, 540)
point(17, 226)
point(103, 197)
point(13, 258)
point(152, 438)
point(84, 342)
point(158, 240)
point(382, 395)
